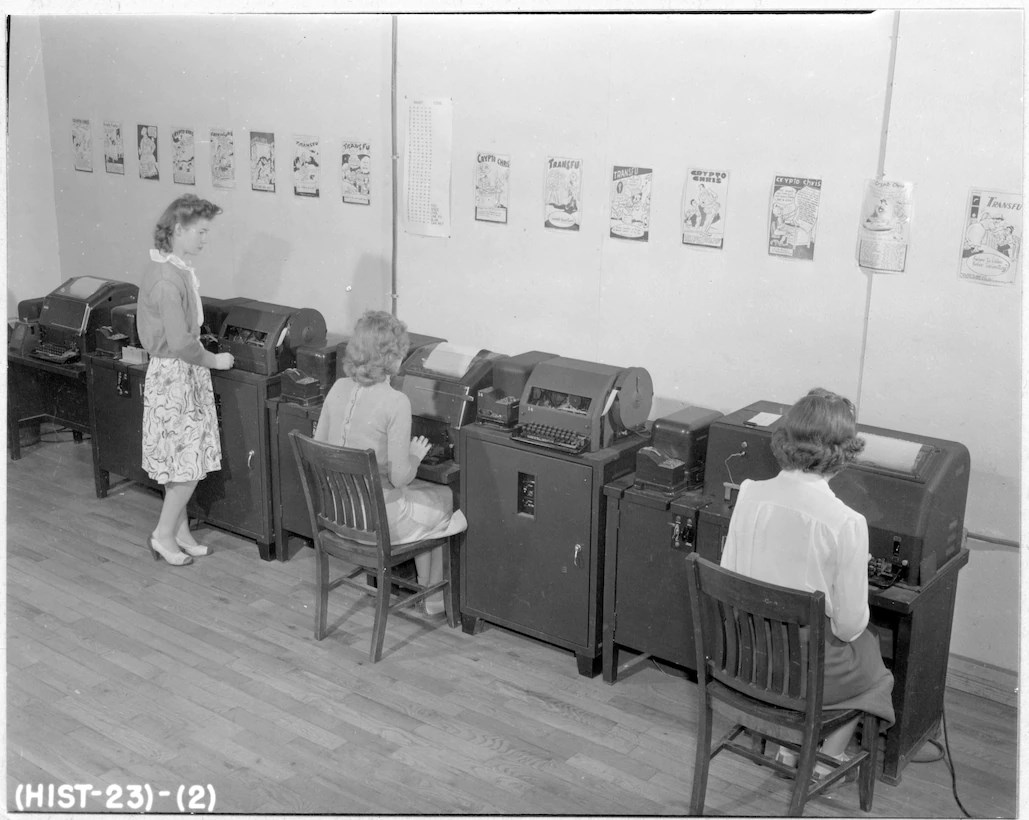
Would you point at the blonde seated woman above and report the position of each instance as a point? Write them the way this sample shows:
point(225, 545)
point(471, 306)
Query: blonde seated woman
point(363, 411)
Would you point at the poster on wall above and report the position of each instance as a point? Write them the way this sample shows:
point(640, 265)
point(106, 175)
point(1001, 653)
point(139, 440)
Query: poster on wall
point(183, 156)
point(630, 202)
point(562, 191)
point(262, 161)
point(114, 148)
point(146, 146)
point(793, 217)
point(991, 242)
point(223, 158)
point(82, 145)
point(306, 166)
point(492, 185)
point(885, 226)
point(427, 157)
point(356, 172)
point(704, 200)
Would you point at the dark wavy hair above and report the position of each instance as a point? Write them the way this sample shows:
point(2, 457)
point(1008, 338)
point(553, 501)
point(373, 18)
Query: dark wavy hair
point(818, 434)
point(376, 349)
point(184, 211)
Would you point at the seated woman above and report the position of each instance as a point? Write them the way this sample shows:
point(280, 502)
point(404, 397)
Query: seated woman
point(363, 411)
point(793, 531)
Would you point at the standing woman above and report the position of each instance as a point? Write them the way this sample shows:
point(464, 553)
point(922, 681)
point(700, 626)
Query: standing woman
point(180, 428)
point(793, 531)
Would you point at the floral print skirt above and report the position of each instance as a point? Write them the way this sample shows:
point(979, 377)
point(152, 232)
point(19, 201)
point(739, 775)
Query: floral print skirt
point(180, 427)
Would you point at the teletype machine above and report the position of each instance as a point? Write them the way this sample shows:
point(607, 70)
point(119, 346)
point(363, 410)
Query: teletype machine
point(46, 352)
point(911, 489)
point(443, 382)
point(533, 557)
point(70, 316)
point(499, 403)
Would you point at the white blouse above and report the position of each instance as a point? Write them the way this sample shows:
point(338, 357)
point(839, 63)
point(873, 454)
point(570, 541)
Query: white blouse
point(793, 531)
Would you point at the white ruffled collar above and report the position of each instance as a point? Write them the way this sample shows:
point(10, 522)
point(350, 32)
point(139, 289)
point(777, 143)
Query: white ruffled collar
point(158, 256)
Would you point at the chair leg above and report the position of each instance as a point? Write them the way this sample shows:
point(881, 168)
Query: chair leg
point(869, 770)
point(450, 592)
point(385, 583)
point(805, 771)
point(321, 592)
point(702, 758)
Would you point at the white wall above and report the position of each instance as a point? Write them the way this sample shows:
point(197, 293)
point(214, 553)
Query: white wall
point(326, 76)
point(33, 266)
point(756, 95)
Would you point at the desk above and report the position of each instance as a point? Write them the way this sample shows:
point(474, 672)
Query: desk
point(38, 389)
point(646, 610)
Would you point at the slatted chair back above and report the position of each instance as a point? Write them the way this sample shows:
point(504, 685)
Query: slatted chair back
point(343, 489)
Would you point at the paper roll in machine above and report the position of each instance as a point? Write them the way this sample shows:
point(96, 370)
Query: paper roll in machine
point(263, 338)
point(579, 406)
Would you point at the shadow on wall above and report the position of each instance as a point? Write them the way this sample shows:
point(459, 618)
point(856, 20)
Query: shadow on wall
point(260, 270)
point(367, 287)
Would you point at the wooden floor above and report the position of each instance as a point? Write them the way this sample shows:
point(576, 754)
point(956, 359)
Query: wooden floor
point(124, 671)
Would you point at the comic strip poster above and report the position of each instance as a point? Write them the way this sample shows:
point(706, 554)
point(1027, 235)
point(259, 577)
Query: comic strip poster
point(146, 145)
point(991, 242)
point(223, 158)
point(114, 148)
point(793, 217)
point(262, 161)
point(306, 166)
point(356, 170)
point(630, 202)
point(562, 189)
point(492, 181)
point(183, 156)
point(82, 145)
point(885, 226)
point(704, 199)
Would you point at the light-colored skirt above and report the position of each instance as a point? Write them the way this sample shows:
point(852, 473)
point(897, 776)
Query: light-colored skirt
point(180, 427)
point(424, 510)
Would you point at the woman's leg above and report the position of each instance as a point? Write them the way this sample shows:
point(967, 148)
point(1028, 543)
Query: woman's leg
point(836, 743)
point(173, 513)
point(430, 571)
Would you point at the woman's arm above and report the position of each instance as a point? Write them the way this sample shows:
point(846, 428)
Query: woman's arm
point(850, 596)
point(182, 344)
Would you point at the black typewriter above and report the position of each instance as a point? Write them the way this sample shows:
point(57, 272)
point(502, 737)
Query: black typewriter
point(53, 352)
point(551, 436)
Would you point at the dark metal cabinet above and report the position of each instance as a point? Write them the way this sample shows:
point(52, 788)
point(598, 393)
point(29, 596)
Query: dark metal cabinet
point(116, 406)
point(533, 556)
point(646, 602)
point(289, 507)
point(238, 497)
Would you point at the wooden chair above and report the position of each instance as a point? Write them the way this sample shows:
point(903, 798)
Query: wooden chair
point(761, 650)
point(343, 489)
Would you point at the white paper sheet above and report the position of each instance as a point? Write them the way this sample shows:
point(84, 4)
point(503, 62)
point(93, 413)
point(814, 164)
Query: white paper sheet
point(450, 360)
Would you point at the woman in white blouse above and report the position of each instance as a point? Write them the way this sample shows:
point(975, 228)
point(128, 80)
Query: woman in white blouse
point(793, 531)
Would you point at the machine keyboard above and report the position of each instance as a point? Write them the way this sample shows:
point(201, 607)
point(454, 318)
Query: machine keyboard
point(550, 436)
point(55, 353)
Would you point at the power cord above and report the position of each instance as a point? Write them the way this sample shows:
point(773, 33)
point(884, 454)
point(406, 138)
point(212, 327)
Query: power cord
point(947, 758)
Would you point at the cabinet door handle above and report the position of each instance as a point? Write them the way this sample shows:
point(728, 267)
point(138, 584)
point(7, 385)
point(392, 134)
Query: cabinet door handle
point(576, 555)
point(250, 458)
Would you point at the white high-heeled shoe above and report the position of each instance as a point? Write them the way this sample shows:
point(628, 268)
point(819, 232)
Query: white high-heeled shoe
point(176, 559)
point(196, 550)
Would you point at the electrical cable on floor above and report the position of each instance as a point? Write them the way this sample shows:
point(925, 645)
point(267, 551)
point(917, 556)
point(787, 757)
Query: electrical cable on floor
point(947, 758)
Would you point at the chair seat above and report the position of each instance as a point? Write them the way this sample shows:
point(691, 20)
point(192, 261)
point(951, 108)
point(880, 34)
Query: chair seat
point(366, 555)
point(771, 715)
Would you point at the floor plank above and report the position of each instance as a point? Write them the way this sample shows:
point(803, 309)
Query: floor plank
point(123, 670)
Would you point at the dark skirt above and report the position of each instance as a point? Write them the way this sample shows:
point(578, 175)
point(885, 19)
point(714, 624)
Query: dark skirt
point(856, 677)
